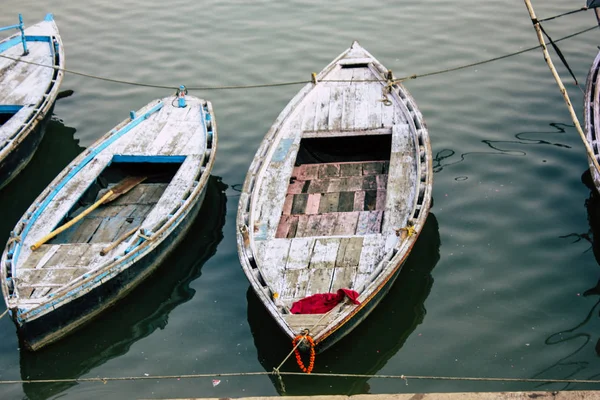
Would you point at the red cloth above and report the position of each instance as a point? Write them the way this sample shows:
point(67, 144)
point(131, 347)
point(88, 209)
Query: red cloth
point(323, 302)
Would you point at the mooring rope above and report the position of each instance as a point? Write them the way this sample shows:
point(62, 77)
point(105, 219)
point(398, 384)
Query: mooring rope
point(267, 85)
point(320, 374)
point(563, 14)
point(491, 59)
point(4, 313)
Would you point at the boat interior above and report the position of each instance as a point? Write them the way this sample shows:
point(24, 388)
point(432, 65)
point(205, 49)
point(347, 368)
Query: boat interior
point(112, 219)
point(338, 187)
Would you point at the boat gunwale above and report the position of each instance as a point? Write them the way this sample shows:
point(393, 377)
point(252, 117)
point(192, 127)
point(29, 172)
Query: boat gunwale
point(114, 267)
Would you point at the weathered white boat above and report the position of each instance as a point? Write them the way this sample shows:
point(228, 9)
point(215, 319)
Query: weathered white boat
point(335, 198)
point(31, 63)
point(108, 219)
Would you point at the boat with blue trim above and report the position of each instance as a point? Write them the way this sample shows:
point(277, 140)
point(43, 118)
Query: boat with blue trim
point(334, 200)
point(138, 316)
point(109, 218)
point(32, 65)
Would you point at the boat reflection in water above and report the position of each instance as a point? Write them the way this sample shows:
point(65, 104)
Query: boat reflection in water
point(592, 205)
point(57, 149)
point(580, 337)
point(368, 347)
point(138, 314)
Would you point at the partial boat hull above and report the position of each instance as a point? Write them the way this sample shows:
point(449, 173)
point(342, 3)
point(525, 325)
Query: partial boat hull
point(29, 104)
point(19, 157)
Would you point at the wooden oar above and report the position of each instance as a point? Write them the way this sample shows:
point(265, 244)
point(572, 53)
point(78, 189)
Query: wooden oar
point(116, 191)
point(117, 242)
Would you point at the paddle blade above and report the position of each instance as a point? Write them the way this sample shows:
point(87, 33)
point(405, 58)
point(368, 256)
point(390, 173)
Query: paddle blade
point(125, 186)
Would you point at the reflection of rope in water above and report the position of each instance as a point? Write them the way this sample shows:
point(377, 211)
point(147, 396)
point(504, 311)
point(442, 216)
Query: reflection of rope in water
point(580, 365)
point(438, 164)
point(578, 237)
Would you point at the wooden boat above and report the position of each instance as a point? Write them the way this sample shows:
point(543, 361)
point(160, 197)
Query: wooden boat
point(335, 197)
point(31, 64)
point(139, 314)
point(108, 219)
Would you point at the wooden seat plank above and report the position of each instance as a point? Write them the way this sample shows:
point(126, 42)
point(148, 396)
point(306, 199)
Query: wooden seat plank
point(346, 223)
point(324, 253)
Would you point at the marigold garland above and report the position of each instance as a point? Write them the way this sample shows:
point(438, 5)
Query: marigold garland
point(311, 342)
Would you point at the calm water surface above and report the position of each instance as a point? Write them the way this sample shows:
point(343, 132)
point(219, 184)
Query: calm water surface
point(500, 284)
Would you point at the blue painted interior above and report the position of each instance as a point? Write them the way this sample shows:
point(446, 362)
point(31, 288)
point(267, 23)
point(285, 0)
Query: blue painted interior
point(7, 111)
point(10, 108)
point(282, 149)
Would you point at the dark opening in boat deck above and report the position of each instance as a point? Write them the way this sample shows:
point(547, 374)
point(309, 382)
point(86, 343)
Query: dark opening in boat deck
point(337, 188)
point(111, 220)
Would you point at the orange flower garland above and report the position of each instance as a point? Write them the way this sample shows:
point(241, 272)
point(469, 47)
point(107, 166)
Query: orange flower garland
point(311, 364)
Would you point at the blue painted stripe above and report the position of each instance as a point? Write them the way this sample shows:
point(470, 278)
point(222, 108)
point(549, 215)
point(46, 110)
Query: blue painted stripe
point(123, 158)
point(17, 40)
point(47, 39)
point(10, 43)
point(282, 149)
point(9, 109)
point(114, 135)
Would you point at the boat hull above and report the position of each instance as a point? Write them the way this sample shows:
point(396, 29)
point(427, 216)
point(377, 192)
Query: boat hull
point(29, 129)
point(23, 152)
point(64, 320)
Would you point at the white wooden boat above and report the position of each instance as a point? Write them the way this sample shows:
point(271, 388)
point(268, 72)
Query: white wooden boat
point(159, 161)
point(335, 197)
point(31, 63)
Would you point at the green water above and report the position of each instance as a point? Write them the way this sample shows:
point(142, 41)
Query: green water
point(499, 284)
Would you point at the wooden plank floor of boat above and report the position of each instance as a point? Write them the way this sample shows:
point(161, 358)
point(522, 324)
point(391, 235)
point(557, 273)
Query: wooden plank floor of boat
point(334, 199)
point(73, 252)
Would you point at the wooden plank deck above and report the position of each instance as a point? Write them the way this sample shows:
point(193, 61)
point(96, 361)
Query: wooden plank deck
point(337, 205)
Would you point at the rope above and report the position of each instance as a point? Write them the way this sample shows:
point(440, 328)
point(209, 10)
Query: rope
point(559, 53)
point(322, 374)
point(4, 313)
point(491, 59)
point(290, 353)
point(101, 78)
point(563, 14)
point(266, 85)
